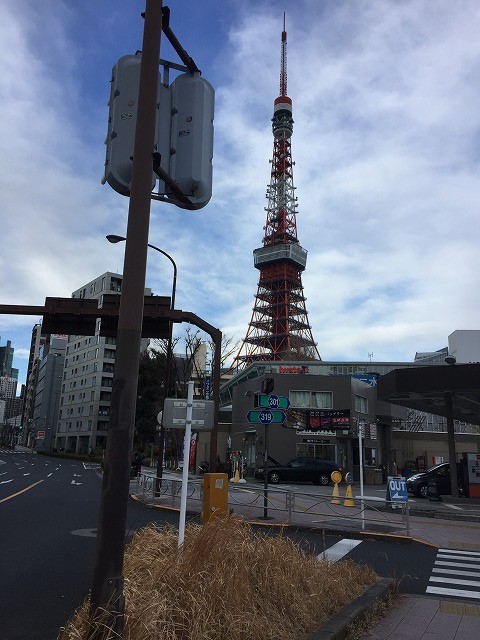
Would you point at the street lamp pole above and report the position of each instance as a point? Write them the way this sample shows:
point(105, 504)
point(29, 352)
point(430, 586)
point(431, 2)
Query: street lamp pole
point(114, 239)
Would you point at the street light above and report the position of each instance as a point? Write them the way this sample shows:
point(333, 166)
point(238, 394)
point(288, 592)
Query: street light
point(114, 239)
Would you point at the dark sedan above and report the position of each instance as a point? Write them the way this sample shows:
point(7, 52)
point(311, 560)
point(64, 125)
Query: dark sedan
point(313, 470)
point(440, 474)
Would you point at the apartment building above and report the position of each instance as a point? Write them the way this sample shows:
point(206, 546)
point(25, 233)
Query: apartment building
point(86, 390)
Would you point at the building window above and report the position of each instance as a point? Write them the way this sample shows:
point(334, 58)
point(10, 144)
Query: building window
point(116, 285)
point(361, 404)
point(311, 399)
point(322, 399)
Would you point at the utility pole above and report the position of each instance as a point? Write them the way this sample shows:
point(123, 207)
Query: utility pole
point(107, 585)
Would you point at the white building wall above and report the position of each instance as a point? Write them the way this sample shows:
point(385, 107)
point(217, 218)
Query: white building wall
point(464, 345)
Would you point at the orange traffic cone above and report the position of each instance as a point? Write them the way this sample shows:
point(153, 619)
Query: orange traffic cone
point(335, 494)
point(349, 501)
point(236, 477)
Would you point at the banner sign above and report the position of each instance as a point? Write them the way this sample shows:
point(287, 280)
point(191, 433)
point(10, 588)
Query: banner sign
point(326, 420)
point(208, 387)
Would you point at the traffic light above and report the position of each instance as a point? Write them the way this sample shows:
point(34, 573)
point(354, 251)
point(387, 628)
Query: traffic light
point(122, 119)
point(267, 385)
point(191, 138)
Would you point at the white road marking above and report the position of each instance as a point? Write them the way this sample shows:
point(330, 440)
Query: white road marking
point(86, 533)
point(459, 552)
point(454, 506)
point(6, 481)
point(50, 474)
point(26, 474)
point(465, 583)
point(77, 483)
point(460, 593)
point(460, 565)
point(451, 572)
point(339, 550)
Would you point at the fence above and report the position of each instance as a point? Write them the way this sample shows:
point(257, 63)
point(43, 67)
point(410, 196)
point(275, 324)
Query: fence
point(293, 508)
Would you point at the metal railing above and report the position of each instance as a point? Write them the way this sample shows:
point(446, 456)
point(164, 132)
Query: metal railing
point(293, 508)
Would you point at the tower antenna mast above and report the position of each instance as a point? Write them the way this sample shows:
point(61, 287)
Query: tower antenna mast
point(279, 327)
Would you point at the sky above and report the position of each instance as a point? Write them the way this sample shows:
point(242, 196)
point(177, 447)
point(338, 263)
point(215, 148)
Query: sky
point(386, 145)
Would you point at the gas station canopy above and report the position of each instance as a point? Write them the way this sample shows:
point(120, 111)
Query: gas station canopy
point(425, 389)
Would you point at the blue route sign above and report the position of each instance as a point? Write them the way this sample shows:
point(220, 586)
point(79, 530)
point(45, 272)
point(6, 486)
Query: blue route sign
point(266, 416)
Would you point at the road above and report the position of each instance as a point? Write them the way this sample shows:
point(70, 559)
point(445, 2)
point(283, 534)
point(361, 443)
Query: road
point(48, 519)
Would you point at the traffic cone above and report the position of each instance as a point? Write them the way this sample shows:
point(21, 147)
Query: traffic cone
point(236, 477)
point(335, 494)
point(349, 501)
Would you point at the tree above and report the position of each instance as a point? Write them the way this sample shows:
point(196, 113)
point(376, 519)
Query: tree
point(150, 394)
point(187, 363)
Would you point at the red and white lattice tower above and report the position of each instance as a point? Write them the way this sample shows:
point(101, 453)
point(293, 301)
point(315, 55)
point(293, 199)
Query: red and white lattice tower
point(279, 327)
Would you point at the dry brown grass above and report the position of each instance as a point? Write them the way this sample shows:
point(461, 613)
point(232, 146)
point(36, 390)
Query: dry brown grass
point(226, 582)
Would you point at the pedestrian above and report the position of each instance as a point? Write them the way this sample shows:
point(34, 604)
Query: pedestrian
point(137, 463)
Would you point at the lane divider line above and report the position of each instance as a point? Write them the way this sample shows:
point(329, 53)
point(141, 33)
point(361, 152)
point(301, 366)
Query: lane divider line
point(22, 491)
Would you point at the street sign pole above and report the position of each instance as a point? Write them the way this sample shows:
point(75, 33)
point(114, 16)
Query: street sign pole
point(107, 592)
point(186, 460)
point(265, 479)
point(360, 460)
point(267, 416)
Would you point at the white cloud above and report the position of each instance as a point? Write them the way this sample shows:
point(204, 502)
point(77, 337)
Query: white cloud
point(386, 143)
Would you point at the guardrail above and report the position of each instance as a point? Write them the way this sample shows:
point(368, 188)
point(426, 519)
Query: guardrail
point(286, 506)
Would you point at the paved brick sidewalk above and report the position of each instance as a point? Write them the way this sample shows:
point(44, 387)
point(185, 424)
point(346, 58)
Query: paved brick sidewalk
point(427, 618)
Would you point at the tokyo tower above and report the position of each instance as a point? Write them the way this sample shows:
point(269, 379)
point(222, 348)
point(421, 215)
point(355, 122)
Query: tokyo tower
point(279, 327)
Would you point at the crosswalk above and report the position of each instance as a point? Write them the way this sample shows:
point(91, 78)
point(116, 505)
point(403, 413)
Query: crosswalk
point(456, 573)
point(12, 451)
point(338, 550)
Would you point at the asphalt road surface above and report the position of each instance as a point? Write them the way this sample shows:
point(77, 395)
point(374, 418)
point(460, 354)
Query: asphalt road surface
point(48, 519)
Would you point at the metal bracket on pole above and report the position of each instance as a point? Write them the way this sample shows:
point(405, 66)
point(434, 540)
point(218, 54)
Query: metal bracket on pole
point(182, 54)
point(163, 175)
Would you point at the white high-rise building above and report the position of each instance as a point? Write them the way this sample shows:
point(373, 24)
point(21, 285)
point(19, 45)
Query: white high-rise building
point(84, 410)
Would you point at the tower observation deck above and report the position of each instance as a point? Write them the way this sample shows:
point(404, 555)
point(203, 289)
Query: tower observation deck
point(279, 327)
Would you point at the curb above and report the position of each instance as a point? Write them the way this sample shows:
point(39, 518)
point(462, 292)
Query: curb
point(338, 626)
point(352, 533)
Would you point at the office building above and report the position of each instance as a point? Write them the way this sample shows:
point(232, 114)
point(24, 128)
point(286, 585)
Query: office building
point(86, 389)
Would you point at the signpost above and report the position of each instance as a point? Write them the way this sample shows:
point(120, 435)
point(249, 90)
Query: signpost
point(269, 415)
point(397, 493)
point(174, 414)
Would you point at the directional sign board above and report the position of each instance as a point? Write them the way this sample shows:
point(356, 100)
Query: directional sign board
point(396, 491)
point(266, 416)
point(175, 414)
point(272, 401)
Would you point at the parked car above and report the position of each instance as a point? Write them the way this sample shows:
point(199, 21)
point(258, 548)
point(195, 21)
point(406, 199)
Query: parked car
point(439, 475)
point(313, 470)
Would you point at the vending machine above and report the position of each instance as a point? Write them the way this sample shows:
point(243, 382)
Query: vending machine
point(471, 475)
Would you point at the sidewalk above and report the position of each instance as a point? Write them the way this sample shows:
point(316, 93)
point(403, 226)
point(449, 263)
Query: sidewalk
point(427, 618)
